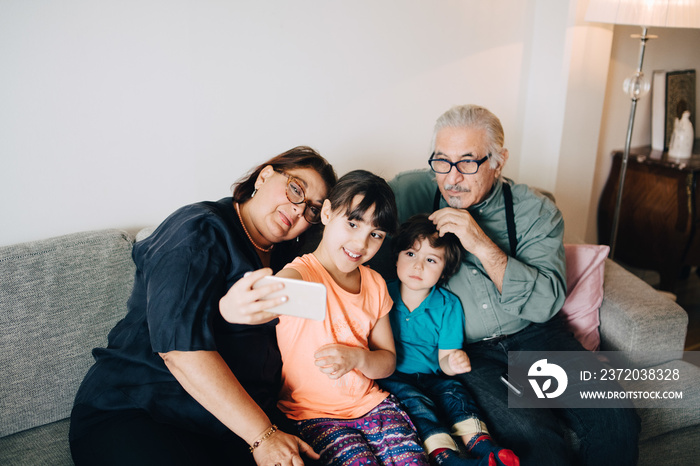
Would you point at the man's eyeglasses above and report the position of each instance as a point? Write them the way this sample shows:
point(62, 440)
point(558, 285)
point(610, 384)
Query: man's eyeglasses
point(465, 167)
point(296, 195)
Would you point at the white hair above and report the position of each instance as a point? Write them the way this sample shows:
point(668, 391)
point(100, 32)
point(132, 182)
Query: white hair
point(474, 116)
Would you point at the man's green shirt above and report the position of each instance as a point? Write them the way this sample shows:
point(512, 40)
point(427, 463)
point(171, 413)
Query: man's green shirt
point(534, 285)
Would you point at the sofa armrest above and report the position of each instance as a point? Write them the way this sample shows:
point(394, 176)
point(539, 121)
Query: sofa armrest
point(636, 319)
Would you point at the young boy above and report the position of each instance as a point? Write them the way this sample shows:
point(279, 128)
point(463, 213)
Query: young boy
point(428, 326)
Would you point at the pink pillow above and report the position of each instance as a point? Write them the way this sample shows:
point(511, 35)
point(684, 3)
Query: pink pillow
point(585, 266)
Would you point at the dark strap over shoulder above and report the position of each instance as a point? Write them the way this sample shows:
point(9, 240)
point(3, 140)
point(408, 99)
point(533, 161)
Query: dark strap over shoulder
point(436, 199)
point(510, 216)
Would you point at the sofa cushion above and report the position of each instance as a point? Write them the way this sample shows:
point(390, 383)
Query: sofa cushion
point(45, 445)
point(678, 448)
point(144, 233)
point(585, 267)
point(59, 299)
point(634, 318)
point(659, 421)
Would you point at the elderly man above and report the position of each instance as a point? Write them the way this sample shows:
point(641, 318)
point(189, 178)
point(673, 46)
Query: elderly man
point(512, 283)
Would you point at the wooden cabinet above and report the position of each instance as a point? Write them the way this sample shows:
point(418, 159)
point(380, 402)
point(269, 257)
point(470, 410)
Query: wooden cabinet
point(659, 220)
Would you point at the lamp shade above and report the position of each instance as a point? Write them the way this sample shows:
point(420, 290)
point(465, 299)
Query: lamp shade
point(658, 13)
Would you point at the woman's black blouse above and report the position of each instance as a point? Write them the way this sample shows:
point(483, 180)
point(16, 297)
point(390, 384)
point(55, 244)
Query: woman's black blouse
point(182, 271)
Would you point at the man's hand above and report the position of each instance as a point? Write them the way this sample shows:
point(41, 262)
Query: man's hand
point(460, 223)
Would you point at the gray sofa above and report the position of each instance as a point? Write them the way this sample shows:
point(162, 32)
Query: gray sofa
point(60, 297)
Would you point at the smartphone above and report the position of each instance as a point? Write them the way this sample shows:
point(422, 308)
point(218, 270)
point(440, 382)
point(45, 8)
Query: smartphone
point(305, 299)
point(513, 386)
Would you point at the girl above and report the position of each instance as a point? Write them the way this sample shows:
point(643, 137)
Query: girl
point(329, 367)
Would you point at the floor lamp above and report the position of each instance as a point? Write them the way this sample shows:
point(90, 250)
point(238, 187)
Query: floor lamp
point(644, 13)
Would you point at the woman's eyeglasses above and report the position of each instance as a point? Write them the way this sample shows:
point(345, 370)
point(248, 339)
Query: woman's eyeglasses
point(296, 195)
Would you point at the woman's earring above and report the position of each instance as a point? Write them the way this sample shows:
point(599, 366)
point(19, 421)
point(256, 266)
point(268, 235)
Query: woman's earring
point(253, 193)
point(297, 239)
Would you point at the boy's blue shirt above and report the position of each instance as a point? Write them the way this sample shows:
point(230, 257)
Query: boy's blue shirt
point(438, 323)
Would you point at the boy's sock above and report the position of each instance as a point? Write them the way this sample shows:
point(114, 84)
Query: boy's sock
point(482, 445)
point(447, 457)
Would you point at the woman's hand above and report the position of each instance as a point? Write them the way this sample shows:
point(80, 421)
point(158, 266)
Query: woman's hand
point(336, 360)
point(209, 380)
point(244, 305)
point(282, 449)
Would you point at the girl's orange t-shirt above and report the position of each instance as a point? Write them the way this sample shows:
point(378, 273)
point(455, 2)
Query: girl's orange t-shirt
point(307, 393)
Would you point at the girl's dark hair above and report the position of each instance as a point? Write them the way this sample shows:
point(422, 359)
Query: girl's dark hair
point(418, 228)
point(298, 157)
point(375, 191)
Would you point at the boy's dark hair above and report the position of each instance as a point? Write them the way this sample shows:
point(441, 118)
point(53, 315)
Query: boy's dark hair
point(417, 228)
point(375, 191)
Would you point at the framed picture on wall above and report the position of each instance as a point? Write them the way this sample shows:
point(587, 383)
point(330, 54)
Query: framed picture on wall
point(673, 92)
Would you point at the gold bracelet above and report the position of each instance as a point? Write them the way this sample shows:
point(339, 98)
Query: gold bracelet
point(264, 437)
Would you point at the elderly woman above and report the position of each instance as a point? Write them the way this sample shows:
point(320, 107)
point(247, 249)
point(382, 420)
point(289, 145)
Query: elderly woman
point(177, 384)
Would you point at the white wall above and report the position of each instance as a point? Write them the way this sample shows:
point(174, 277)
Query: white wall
point(587, 64)
point(113, 114)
